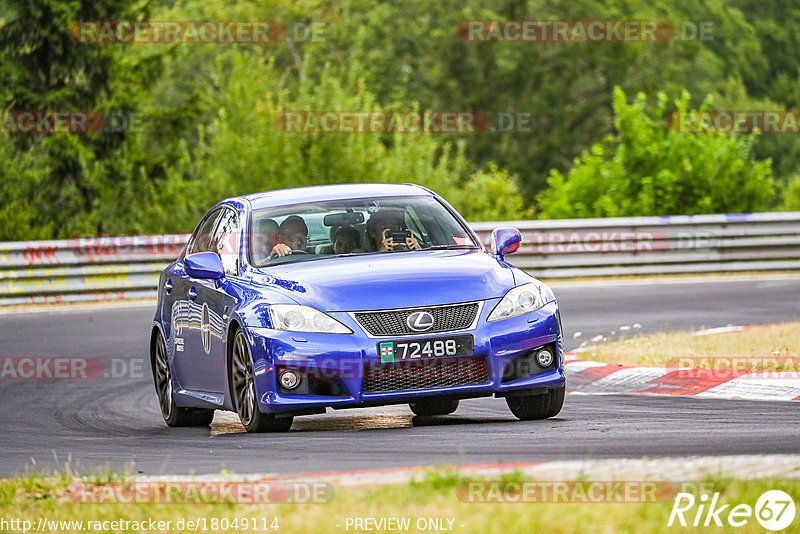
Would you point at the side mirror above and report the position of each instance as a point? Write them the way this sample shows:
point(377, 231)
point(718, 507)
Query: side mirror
point(204, 265)
point(505, 241)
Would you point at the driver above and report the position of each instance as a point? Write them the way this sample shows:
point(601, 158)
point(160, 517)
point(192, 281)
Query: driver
point(292, 236)
point(385, 221)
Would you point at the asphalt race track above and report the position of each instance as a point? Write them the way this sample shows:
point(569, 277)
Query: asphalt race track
point(114, 422)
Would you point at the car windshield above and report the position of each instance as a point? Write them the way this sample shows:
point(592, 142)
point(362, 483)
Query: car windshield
point(331, 229)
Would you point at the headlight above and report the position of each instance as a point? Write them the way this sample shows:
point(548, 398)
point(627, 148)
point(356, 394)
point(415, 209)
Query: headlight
point(304, 319)
point(522, 299)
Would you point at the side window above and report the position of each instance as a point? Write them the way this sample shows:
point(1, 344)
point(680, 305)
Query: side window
point(201, 240)
point(226, 241)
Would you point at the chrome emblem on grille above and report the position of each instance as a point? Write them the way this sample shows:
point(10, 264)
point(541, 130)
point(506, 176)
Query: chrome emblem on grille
point(420, 321)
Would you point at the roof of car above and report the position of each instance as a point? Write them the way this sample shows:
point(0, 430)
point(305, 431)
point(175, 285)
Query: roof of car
point(281, 197)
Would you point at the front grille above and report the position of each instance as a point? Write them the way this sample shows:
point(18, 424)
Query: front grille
point(393, 322)
point(425, 374)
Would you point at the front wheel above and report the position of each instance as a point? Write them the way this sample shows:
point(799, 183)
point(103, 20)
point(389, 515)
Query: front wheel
point(244, 392)
point(173, 415)
point(434, 406)
point(542, 406)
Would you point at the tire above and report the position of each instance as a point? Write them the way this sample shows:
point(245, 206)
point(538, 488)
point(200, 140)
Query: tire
point(530, 407)
point(243, 390)
point(162, 376)
point(434, 406)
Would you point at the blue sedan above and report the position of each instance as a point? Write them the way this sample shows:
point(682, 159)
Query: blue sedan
point(290, 302)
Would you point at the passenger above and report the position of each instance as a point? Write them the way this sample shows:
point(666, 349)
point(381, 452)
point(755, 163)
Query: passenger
point(292, 237)
point(345, 240)
point(265, 238)
point(387, 220)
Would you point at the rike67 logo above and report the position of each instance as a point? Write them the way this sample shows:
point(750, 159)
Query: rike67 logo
point(774, 510)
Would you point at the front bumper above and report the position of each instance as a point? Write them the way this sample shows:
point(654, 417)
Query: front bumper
point(340, 371)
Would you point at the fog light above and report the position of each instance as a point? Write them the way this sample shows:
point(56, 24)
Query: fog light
point(544, 357)
point(289, 379)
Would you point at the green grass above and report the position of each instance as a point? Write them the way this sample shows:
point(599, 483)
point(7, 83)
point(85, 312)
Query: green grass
point(432, 495)
point(767, 348)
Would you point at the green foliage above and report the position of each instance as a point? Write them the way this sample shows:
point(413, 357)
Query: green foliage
point(22, 176)
point(648, 169)
point(438, 480)
point(209, 110)
point(240, 151)
point(791, 194)
point(491, 195)
point(42, 68)
point(565, 86)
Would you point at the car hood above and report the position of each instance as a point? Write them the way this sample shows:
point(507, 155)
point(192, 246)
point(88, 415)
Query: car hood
point(391, 280)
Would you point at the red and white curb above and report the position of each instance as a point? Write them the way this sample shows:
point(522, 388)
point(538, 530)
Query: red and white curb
point(676, 469)
point(596, 378)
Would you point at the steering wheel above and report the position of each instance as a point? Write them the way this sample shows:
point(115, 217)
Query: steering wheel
point(273, 256)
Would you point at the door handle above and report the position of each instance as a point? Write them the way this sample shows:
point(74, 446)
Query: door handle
point(168, 286)
point(193, 293)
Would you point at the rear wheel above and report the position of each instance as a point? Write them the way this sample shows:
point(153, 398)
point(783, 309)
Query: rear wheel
point(173, 415)
point(540, 406)
point(244, 392)
point(434, 406)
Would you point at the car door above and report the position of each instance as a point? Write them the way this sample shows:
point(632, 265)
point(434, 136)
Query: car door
point(181, 304)
point(211, 305)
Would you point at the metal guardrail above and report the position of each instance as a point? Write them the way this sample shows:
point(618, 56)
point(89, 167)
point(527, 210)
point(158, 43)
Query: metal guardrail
point(77, 270)
point(115, 268)
point(657, 245)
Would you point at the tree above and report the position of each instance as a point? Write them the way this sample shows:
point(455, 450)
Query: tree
point(44, 69)
point(791, 194)
point(242, 151)
point(648, 169)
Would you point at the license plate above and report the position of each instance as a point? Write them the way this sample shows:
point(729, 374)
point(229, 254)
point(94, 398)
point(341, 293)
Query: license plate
point(425, 348)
